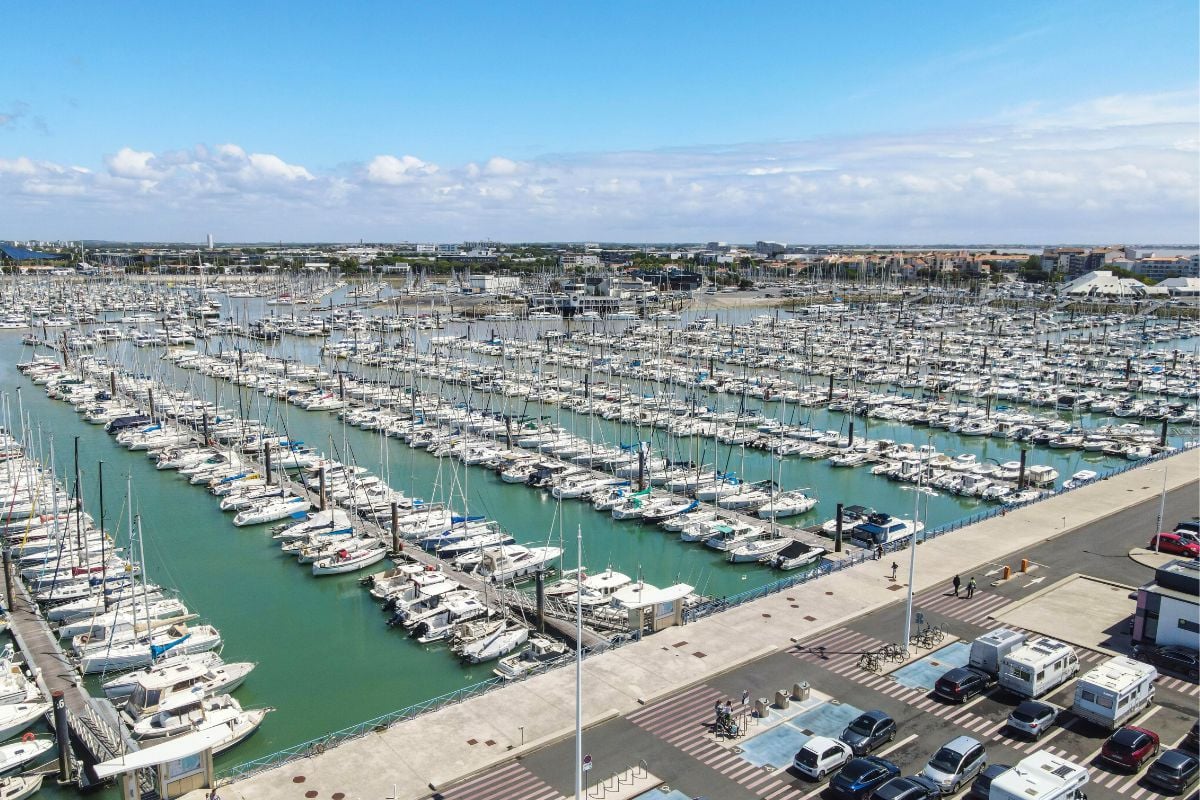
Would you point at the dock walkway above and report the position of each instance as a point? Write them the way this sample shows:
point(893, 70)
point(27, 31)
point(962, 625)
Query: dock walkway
point(95, 733)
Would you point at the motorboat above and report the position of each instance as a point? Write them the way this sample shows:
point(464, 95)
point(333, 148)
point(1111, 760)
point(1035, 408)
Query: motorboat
point(786, 504)
point(494, 646)
point(188, 714)
point(513, 561)
point(16, 754)
point(16, 717)
point(18, 787)
point(758, 549)
point(153, 687)
point(1081, 478)
point(796, 555)
point(541, 653)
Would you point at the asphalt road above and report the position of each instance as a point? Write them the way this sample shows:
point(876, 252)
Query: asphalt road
point(674, 738)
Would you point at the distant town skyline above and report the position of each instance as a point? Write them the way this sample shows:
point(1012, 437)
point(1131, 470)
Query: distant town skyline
point(669, 122)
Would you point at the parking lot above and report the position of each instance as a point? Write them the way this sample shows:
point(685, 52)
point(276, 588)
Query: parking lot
point(675, 735)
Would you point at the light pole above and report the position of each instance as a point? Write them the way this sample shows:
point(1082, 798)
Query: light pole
point(1162, 508)
point(912, 551)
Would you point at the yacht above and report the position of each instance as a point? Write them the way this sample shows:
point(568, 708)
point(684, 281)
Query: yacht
point(513, 561)
point(541, 653)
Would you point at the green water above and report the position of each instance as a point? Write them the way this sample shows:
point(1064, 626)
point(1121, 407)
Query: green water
point(325, 658)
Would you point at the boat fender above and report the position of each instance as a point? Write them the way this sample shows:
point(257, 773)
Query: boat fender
point(28, 737)
point(430, 567)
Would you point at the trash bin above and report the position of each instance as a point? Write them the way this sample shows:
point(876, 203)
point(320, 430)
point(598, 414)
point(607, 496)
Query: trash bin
point(800, 691)
point(782, 699)
point(761, 709)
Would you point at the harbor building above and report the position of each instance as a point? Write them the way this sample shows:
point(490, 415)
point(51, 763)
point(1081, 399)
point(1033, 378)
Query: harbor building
point(1168, 608)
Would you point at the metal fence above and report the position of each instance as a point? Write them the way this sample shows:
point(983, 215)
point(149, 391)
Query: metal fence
point(382, 723)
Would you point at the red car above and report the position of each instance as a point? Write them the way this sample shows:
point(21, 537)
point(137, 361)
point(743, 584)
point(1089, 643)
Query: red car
point(1130, 747)
point(1175, 544)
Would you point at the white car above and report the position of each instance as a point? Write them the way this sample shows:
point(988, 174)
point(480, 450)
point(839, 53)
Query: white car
point(820, 756)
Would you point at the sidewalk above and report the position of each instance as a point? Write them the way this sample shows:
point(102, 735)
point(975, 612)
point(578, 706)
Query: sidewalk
point(412, 758)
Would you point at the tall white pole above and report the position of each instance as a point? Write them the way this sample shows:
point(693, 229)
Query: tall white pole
point(579, 665)
point(912, 555)
point(1162, 508)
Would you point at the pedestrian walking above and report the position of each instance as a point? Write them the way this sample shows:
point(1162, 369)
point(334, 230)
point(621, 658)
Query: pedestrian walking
point(717, 711)
point(971, 588)
point(878, 552)
point(957, 583)
point(895, 568)
point(745, 697)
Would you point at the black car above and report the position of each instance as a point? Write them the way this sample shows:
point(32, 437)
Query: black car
point(982, 785)
point(861, 776)
point(961, 684)
point(917, 787)
point(1173, 658)
point(1174, 771)
point(868, 731)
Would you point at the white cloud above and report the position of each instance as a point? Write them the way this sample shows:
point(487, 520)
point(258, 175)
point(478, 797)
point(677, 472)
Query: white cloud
point(393, 171)
point(1104, 170)
point(132, 164)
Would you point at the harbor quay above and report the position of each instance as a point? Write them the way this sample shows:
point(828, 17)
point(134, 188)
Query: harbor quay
point(428, 755)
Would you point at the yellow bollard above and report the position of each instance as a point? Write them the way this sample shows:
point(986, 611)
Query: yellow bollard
point(1024, 565)
point(1007, 573)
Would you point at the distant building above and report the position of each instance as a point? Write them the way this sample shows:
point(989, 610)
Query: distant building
point(448, 249)
point(210, 241)
point(1103, 283)
point(493, 284)
point(770, 249)
point(1160, 267)
point(1168, 608)
point(578, 260)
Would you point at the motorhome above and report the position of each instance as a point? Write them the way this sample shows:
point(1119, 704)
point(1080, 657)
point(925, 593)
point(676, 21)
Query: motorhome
point(1041, 776)
point(990, 649)
point(1038, 666)
point(1114, 692)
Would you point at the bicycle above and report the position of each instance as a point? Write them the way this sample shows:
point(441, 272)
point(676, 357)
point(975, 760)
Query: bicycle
point(893, 652)
point(869, 662)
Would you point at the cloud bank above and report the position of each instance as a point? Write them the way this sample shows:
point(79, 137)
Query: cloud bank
point(1121, 168)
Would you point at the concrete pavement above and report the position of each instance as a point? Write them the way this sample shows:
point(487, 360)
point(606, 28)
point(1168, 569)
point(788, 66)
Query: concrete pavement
point(413, 758)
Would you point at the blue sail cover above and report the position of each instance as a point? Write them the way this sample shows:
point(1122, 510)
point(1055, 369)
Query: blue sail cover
point(157, 650)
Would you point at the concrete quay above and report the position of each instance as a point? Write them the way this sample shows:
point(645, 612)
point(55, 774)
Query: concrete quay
point(414, 759)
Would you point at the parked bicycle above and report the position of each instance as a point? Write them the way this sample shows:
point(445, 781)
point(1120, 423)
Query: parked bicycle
point(869, 662)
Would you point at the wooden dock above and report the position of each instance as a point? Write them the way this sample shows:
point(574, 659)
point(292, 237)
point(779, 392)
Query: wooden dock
point(95, 733)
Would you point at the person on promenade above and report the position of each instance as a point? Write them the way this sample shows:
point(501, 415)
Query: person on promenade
point(957, 583)
point(971, 588)
point(895, 568)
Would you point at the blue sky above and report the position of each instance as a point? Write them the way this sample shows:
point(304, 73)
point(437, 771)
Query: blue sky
point(613, 120)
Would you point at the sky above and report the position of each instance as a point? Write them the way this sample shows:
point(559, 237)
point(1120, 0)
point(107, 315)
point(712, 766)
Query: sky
point(851, 122)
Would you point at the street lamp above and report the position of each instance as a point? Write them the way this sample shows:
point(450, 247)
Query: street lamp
point(912, 549)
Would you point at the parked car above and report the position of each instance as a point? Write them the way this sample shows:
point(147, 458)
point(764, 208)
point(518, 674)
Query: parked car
point(861, 776)
point(955, 763)
point(820, 756)
point(961, 684)
point(1175, 771)
point(869, 730)
point(1175, 544)
point(1172, 658)
point(1191, 741)
point(917, 787)
point(982, 785)
point(1130, 747)
point(1032, 718)
point(1190, 527)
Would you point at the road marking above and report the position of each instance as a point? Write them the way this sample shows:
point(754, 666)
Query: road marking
point(897, 745)
point(815, 791)
point(992, 572)
point(1032, 582)
point(1060, 729)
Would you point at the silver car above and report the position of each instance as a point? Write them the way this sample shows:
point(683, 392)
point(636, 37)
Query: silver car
point(955, 764)
point(1033, 718)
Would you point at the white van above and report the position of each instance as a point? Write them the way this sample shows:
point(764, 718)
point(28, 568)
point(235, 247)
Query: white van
point(1041, 776)
point(1037, 667)
point(1114, 692)
point(990, 649)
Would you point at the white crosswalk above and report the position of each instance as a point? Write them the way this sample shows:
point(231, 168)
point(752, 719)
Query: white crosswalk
point(509, 782)
point(974, 611)
point(684, 721)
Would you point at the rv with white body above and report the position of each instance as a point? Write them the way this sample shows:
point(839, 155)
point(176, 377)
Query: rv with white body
point(1041, 776)
point(1039, 666)
point(990, 649)
point(1114, 692)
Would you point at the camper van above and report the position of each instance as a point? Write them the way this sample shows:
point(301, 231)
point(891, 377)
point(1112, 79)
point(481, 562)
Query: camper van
point(1037, 667)
point(1041, 776)
point(990, 649)
point(1114, 692)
